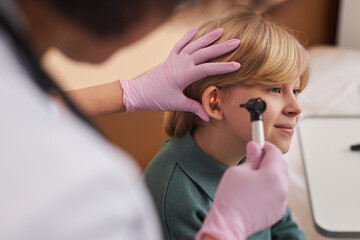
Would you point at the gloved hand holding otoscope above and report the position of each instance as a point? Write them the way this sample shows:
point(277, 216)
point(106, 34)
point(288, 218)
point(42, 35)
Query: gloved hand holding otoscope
point(256, 107)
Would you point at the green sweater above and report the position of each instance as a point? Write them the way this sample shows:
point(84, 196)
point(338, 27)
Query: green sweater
point(183, 180)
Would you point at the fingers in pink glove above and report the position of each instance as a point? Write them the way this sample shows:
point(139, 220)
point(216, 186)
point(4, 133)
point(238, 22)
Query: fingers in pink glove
point(253, 155)
point(201, 53)
point(203, 41)
point(215, 68)
point(277, 169)
point(185, 40)
point(214, 51)
point(270, 157)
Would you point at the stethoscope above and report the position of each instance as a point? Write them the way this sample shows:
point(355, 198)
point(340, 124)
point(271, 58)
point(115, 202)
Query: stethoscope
point(38, 75)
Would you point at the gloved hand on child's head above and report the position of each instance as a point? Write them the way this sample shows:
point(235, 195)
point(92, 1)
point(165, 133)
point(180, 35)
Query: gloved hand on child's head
point(161, 89)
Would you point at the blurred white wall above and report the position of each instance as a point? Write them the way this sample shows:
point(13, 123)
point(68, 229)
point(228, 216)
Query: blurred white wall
point(348, 35)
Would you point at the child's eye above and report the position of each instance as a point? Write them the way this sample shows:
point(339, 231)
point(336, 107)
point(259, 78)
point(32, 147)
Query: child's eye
point(296, 91)
point(275, 90)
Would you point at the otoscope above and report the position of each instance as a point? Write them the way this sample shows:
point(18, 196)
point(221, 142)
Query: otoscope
point(256, 107)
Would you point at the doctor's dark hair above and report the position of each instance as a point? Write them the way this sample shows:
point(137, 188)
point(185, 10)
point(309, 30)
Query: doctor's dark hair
point(110, 17)
point(268, 54)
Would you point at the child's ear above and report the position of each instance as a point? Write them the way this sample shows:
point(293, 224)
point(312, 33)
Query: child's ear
point(211, 103)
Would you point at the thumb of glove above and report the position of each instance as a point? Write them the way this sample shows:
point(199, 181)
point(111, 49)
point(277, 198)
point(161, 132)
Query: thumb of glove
point(194, 106)
point(273, 158)
point(253, 155)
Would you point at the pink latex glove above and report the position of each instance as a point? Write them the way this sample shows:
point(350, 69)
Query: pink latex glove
point(251, 197)
point(161, 89)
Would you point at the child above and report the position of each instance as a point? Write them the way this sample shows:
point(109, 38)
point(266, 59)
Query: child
point(184, 175)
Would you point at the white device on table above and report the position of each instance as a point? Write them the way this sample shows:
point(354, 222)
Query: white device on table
point(332, 167)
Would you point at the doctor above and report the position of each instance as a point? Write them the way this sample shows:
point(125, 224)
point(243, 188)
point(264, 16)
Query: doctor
point(59, 178)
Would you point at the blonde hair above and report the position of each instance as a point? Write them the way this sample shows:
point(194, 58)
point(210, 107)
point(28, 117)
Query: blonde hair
point(268, 54)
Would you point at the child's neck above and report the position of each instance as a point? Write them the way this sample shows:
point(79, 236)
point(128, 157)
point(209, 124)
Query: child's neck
point(219, 146)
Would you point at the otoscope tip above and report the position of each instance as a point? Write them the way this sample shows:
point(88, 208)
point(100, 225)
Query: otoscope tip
point(243, 105)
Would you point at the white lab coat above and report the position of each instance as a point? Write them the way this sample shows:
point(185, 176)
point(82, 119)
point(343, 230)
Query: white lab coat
point(58, 178)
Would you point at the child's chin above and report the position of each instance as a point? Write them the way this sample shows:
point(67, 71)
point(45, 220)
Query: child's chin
point(284, 147)
point(284, 150)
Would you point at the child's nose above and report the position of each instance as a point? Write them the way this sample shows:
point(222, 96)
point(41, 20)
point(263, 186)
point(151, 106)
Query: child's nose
point(292, 107)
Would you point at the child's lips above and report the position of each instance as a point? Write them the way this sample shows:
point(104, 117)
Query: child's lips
point(287, 128)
